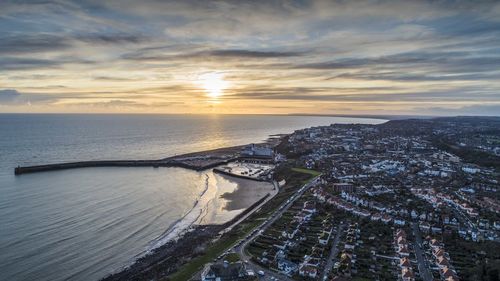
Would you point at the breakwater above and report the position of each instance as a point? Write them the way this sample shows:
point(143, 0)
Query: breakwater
point(121, 163)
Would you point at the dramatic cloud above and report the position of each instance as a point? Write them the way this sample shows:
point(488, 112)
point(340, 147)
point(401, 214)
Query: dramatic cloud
point(8, 96)
point(252, 54)
point(280, 56)
point(13, 97)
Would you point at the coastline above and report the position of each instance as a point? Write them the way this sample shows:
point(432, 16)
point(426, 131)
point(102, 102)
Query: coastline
point(144, 244)
point(175, 246)
point(223, 199)
point(165, 259)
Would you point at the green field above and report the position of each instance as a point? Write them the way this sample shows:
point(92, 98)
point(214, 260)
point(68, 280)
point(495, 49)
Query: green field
point(187, 271)
point(295, 178)
point(306, 171)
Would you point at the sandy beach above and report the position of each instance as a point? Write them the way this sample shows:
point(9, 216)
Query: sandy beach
point(224, 198)
point(231, 196)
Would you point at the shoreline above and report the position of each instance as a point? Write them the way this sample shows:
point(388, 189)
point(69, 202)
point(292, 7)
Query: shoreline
point(167, 256)
point(174, 253)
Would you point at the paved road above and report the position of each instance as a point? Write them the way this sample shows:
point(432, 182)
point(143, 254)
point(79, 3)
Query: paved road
point(423, 267)
point(333, 253)
point(273, 193)
point(282, 209)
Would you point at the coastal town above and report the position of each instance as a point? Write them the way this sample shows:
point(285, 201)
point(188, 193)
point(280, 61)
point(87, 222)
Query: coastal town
point(404, 200)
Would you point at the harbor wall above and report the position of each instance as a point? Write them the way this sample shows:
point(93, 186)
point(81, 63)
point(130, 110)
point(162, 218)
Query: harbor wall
point(116, 163)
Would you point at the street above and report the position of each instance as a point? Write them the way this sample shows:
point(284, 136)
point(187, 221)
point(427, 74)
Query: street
point(333, 253)
point(241, 248)
point(421, 259)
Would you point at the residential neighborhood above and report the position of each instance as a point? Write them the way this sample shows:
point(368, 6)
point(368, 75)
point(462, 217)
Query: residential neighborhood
point(390, 203)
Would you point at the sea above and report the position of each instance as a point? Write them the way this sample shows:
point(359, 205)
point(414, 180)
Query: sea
point(84, 224)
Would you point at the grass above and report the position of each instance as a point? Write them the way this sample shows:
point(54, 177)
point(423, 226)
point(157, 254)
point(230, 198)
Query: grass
point(294, 182)
point(213, 251)
point(232, 257)
point(313, 173)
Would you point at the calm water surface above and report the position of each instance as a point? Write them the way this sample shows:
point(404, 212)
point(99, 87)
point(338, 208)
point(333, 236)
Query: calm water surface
point(82, 224)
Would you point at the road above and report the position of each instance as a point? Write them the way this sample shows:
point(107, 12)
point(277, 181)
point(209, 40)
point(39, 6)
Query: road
point(423, 267)
point(282, 209)
point(333, 253)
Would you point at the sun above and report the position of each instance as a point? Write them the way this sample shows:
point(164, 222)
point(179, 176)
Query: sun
point(213, 83)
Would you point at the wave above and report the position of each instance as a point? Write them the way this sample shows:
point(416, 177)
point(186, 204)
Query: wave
point(184, 224)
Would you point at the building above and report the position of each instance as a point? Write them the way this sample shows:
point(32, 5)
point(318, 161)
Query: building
point(287, 267)
point(343, 186)
point(224, 272)
point(254, 151)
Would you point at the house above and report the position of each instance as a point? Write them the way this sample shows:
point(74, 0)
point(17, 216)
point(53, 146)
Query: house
point(376, 217)
point(386, 219)
point(308, 270)
point(434, 244)
point(438, 252)
point(436, 229)
point(404, 262)
point(309, 207)
point(407, 274)
point(403, 251)
point(287, 267)
point(399, 221)
point(224, 272)
point(425, 226)
point(446, 272)
point(414, 214)
point(442, 262)
point(324, 237)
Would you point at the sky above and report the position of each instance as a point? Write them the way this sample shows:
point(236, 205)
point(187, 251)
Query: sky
point(250, 57)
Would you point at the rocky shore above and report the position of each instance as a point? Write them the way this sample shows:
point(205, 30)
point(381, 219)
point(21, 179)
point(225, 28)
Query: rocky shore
point(166, 259)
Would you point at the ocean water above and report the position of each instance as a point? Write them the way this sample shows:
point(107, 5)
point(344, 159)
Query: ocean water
point(83, 224)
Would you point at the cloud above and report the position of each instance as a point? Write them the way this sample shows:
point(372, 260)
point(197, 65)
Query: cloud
point(134, 54)
point(120, 103)
point(13, 97)
point(14, 63)
point(477, 109)
point(374, 94)
point(252, 54)
point(8, 96)
point(112, 38)
point(159, 54)
point(32, 44)
point(37, 43)
point(114, 78)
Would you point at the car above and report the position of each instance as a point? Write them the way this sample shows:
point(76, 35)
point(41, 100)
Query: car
point(261, 273)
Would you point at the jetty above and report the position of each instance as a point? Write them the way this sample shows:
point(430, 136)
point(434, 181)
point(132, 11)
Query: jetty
point(197, 161)
point(117, 163)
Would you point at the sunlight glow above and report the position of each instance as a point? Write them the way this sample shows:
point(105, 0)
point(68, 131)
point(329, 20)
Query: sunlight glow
point(213, 83)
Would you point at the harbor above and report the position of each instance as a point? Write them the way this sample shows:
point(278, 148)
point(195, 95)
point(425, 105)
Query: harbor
point(198, 161)
point(247, 170)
